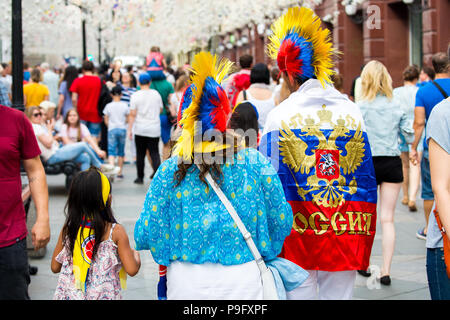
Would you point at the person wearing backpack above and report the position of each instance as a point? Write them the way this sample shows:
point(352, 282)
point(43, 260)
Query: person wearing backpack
point(427, 97)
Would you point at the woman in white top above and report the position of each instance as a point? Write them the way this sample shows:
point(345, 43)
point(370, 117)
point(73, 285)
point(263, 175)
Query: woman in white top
point(51, 153)
point(259, 93)
point(175, 99)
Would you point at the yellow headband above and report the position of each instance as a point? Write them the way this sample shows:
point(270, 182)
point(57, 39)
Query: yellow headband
point(106, 187)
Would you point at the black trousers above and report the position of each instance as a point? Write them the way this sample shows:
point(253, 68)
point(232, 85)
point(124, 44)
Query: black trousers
point(142, 145)
point(14, 272)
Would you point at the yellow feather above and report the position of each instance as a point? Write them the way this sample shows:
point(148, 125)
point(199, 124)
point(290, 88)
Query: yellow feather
point(306, 24)
point(204, 65)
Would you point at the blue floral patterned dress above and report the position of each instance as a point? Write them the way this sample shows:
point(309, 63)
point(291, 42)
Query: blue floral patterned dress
point(189, 223)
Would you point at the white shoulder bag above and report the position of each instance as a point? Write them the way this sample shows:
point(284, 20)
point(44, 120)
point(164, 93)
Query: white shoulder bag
point(268, 282)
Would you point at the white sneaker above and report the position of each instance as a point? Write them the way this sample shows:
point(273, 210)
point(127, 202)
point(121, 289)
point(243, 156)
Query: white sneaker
point(109, 169)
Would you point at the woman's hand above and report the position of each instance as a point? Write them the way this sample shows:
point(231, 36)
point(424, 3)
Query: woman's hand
point(101, 153)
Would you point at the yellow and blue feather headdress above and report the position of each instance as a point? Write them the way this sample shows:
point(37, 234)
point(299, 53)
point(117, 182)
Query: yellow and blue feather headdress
point(204, 104)
point(301, 47)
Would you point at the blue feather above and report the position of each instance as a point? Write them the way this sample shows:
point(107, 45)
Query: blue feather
point(208, 104)
point(306, 54)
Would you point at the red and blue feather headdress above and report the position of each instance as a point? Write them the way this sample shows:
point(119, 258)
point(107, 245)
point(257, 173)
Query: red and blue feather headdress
point(204, 105)
point(301, 47)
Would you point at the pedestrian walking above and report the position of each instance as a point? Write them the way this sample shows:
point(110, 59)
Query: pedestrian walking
point(244, 122)
point(259, 93)
point(145, 108)
point(93, 253)
point(19, 144)
point(51, 80)
point(65, 96)
point(167, 116)
point(438, 262)
point(384, 118)
point(406, 96)
point(85, 96)
point(426, 98)
point(317, 140)
point(4, 92)
point(426, 74)
point(184, 224)
point(240, 80)
point(128, 87)
point(116, 118)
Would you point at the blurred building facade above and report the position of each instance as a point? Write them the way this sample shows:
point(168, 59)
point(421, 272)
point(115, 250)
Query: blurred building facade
point(396, 32)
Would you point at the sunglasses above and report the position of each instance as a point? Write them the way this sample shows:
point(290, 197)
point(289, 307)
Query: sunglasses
point(37, 114)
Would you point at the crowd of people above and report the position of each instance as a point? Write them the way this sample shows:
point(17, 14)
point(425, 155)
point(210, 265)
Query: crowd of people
point(308, 168)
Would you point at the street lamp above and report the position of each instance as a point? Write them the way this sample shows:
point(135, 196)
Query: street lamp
point(17, 56)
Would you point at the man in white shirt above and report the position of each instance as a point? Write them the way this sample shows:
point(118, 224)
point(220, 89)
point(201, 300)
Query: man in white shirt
point(145, 107)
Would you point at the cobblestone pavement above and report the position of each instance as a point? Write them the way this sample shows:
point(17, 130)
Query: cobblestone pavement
point(409, 280)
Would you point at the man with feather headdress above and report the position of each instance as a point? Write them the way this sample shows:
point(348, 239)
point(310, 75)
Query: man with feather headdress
point(317, 141)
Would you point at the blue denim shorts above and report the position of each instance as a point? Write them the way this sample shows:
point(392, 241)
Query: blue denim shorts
point(116, 142)
point(427, 191)
point(94, 128)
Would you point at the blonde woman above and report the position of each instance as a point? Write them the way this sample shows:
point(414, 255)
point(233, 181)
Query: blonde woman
point(384, 119)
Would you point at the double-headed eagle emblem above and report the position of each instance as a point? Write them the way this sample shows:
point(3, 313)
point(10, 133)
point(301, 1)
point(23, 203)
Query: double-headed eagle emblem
point(326, 165)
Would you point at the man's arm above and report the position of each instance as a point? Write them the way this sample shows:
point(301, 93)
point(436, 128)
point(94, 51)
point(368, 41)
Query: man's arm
point(131, 118)
point(39, 192)
point(440, 180)
point(418, 126)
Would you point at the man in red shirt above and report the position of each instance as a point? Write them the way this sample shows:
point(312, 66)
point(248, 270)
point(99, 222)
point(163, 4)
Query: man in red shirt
point(18, 142)
point(85, 94)
point(240, 80)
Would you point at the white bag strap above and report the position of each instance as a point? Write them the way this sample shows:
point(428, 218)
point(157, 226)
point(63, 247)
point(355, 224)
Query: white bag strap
point(247, 236)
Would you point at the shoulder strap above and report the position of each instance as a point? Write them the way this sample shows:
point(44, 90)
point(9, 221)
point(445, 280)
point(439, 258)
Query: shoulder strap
point(112, 229)
point(247, 236)
point(245, 94)
point(440, 89)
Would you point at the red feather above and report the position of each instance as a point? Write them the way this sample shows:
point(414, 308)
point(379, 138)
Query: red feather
point(220, 114)
point(287, 59)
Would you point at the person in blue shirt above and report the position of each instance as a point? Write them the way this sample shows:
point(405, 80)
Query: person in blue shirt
point(4, 97)
point(184, 223)
point(426, 98)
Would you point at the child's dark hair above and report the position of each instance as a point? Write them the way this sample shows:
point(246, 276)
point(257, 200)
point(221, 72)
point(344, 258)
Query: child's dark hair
point(116, 91)
point(245, 117)
point(85, 202)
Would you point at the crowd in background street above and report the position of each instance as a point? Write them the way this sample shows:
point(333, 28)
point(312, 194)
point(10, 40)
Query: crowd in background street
point(92, 115)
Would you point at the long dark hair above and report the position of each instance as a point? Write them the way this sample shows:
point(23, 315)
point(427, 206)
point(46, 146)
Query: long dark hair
point(70, 74)
point(244, 117)
point(85, 202)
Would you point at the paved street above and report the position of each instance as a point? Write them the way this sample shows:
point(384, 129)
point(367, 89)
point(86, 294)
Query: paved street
point(409, 280)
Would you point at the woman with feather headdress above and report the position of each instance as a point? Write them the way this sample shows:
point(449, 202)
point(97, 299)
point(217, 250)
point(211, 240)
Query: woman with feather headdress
point(183, 222)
